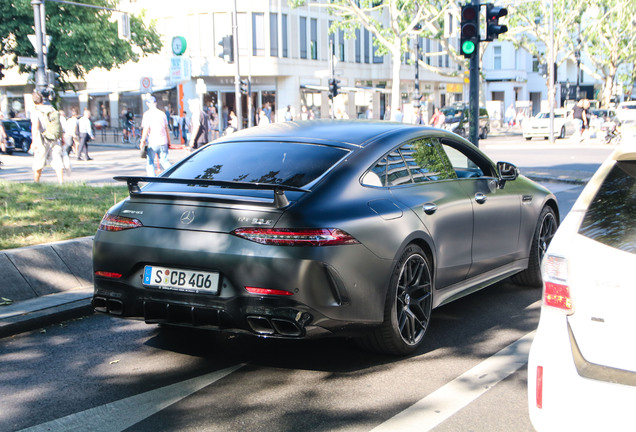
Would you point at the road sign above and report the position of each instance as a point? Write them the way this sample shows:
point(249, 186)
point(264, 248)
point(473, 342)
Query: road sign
point(33, 61)
point(145, 84)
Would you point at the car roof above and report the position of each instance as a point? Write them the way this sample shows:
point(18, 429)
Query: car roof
point(331, 132)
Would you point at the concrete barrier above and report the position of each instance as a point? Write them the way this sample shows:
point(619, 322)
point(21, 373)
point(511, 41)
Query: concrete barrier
point(51, 268)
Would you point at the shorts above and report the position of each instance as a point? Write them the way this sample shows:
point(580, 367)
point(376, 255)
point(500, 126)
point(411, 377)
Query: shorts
point(50, 152)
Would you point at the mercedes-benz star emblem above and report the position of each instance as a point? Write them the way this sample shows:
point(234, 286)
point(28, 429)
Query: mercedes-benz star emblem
point(187, 217)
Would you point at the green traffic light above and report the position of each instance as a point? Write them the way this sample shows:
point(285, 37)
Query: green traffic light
point(468, 47)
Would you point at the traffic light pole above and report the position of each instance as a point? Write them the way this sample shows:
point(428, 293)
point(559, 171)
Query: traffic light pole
point(40, 73)
point(237, 77)
point(473, 91)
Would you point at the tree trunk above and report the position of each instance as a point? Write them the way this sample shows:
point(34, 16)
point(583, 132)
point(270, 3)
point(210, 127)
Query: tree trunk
point(396, 97)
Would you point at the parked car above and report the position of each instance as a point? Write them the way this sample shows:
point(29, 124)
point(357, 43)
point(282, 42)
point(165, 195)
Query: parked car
point(539, 125)
point(457, 121)
point(626, 111)
point(306, 229)
point(582, 364)
point(21, 137)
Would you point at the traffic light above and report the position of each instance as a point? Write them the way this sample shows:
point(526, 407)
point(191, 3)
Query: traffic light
point(469, 37)
point(243, 86)
point(227, 44)
point(1, 71)
point(333, 88)
point(493, 29)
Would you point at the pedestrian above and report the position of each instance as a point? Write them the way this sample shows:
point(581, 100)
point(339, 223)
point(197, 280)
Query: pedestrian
point(262, 118)
point(71, 133)
point(438, 118)
point(3, 137)
point(46, 131)
point(199, 123)
point(66, 147)
point(86, 134)
point(233, 126)
point(155, 129)
point(579, 113)
point(510, 116)
point(184, 127)
point(288, 114)
point(214, 123)
point(399, 117)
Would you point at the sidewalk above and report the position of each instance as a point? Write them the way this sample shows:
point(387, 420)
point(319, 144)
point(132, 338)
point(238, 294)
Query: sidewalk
point(49, 283)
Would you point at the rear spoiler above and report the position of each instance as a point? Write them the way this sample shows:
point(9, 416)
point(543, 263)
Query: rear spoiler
point(280, 200)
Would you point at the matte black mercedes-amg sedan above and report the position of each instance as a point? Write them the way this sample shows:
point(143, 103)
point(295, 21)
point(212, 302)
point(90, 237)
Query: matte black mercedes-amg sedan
point(303, 229)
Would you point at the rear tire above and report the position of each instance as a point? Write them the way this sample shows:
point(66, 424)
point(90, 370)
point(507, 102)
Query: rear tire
point(543, 234)
point(408, 306)
point(562, 134)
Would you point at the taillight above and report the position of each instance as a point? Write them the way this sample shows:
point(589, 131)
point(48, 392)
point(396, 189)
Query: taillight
point(556, 290)
point(539, 387)
point(267, 291)
point(296, 237)
point(111, 222)
point(106, 274)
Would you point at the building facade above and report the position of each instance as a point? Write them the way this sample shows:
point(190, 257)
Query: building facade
point(283, 53)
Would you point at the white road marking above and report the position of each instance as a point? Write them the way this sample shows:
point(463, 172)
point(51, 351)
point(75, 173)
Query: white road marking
point(440, 405)
point(122, 414)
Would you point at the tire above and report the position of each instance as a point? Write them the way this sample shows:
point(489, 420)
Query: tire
point(484, 134)
point(407, 310)
point(528, 138)
point(543, 234)
point(24, 145)
point(562, 134)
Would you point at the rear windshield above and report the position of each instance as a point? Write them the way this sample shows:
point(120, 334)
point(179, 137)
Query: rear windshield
point(291, 164)
point(611, 217)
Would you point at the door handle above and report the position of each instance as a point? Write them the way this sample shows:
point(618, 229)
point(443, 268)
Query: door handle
point(429, 208)
point(480, 197)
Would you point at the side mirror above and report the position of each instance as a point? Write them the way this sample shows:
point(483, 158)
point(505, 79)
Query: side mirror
point(507, 172)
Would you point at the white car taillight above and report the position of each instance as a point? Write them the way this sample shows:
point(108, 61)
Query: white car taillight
point(556, 290)
point(111, 222)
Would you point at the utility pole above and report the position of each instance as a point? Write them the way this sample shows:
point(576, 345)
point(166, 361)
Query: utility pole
point(40, 73)
point(237, 74)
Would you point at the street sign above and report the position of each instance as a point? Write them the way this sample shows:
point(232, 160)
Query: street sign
point(33, 61)
point(145, 84)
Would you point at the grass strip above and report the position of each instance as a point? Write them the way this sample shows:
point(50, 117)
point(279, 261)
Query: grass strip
point(36, 213)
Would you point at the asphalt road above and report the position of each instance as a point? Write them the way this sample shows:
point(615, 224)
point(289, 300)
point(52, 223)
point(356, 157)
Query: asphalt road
point(99, 373)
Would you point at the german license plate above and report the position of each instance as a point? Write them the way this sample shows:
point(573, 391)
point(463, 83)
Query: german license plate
point(176, 279)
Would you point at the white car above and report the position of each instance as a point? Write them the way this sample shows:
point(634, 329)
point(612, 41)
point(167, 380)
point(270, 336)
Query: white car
point(626, 111)
point(539, 125)
point(582, 364)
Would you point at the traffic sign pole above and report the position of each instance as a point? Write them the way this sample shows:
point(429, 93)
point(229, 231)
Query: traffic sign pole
point(473, 89)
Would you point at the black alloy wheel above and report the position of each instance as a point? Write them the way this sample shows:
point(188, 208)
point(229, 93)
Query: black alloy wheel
point(546, 228)
point(408, 306)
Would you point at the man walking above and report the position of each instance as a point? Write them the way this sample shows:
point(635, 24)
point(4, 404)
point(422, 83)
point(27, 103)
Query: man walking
point(156, 130)
point(86, 133)
point(46, 133)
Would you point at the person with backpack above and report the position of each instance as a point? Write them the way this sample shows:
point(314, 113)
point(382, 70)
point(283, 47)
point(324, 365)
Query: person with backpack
point(46, 130)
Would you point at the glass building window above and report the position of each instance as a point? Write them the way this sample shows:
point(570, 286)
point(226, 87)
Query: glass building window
point(341, 45)
point(314, 39)
point(284, 26)
point(303, 37)
point(273, 34)
point(258, 34)
point(358, 46)
point(497, 58)
point(367, 46)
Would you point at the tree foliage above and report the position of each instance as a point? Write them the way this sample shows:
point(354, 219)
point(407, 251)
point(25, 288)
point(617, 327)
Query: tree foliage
point(609, 41)
point(82, 39)
point(392, 23)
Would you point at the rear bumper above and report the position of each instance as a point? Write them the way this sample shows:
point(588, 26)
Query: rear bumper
point(571, 401)
point(335, 288)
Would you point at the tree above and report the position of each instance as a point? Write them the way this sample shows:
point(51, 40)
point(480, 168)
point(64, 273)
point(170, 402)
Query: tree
point(609, 41)
point(392, 23)
point(529, 28)
point(82, 39)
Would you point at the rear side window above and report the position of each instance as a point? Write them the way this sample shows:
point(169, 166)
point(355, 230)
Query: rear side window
point(418, 161)
point(611, 217)
point(291, 164)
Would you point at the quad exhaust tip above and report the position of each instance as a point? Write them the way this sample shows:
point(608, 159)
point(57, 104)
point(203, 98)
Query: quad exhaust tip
point(274, 326)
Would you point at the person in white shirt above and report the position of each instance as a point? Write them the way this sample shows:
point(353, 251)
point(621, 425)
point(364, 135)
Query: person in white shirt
point(156, 130)
point(85, 133)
